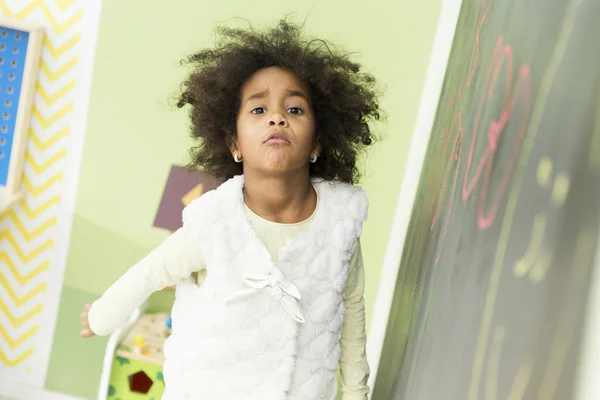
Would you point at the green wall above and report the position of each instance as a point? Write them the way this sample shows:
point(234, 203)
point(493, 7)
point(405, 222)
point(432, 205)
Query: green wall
point(134, 134)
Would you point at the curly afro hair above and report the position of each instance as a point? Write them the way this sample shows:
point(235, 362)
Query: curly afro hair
point(343, 98)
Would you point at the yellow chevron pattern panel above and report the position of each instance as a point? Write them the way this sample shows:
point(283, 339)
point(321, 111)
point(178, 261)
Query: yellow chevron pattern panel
point(28, 232)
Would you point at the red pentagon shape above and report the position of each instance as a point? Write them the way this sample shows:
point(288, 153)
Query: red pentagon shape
point(140, 382)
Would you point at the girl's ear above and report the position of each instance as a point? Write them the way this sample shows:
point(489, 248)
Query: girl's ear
point(318, 148)
point(232, 144)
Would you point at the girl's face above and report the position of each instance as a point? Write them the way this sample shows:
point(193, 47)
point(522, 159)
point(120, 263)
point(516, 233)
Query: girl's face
point(275, 123)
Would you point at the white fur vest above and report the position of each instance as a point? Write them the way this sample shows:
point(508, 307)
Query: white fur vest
point(280, 339)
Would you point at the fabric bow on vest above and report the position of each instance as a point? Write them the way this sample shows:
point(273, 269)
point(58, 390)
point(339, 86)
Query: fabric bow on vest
point(286, 292)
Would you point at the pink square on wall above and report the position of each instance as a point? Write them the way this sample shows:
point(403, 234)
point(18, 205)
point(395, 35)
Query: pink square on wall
point(182, 187)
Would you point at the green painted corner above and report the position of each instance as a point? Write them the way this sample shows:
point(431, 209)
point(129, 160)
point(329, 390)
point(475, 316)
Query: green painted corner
point(75, 363)
point(161, 301)
point(99, 256)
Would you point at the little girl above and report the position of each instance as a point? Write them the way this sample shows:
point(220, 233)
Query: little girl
point(268, 267)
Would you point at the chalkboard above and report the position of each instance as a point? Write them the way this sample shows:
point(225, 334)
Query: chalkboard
point(493, 280)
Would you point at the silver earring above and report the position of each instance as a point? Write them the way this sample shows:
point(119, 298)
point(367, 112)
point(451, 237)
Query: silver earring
point(237, 158)
point(313, 158)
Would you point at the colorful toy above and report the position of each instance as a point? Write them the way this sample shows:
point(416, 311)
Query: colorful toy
point(139, 344)
point(136, 366)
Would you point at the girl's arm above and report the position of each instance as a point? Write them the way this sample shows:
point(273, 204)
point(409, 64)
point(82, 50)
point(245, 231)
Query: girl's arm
point(353, 362)
point(175, 259)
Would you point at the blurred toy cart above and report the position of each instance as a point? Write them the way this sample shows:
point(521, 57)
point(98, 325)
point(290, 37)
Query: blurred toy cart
point(133, 360)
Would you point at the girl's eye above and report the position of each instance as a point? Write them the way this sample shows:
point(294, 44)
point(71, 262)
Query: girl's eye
point(258, 110)
point(295, 110)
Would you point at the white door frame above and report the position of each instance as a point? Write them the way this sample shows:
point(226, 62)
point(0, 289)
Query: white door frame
point(434, 80)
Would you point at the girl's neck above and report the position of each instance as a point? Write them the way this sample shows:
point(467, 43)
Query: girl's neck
point(282, 199)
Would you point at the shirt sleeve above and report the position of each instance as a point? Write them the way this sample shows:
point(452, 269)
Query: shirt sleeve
point(353, 361)
point(175, 259)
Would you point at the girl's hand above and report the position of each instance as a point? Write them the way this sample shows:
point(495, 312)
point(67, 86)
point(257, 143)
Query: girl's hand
point(86, 332)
